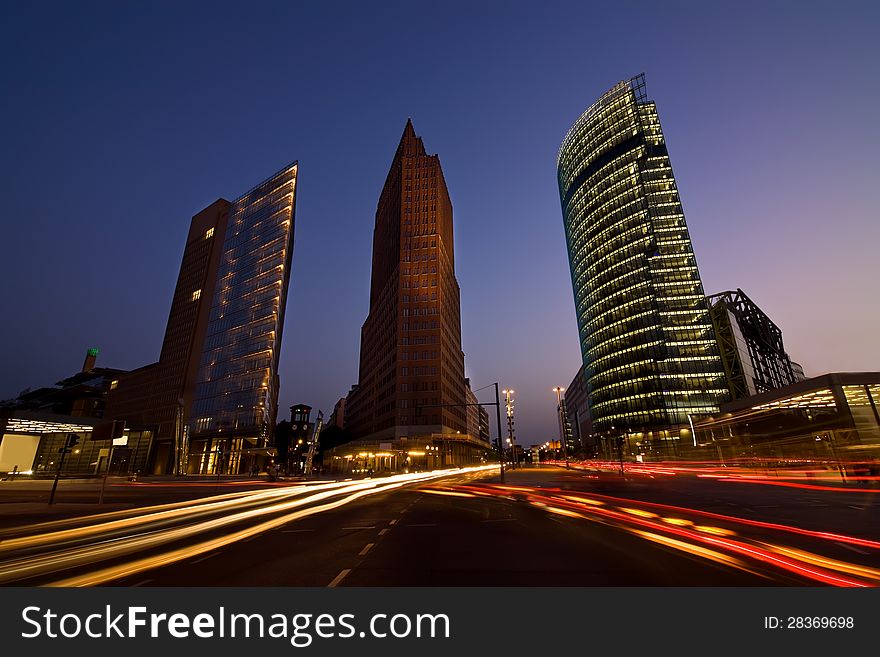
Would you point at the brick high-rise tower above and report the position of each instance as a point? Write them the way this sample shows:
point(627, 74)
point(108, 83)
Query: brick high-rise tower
point(411, 379)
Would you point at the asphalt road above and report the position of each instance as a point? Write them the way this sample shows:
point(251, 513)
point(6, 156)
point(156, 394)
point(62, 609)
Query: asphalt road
point(545, 527)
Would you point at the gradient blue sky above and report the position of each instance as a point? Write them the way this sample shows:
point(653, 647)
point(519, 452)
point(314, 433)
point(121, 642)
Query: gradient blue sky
point(120, 120)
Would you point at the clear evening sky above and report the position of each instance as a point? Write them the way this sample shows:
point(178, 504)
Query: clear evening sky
point(122, 120)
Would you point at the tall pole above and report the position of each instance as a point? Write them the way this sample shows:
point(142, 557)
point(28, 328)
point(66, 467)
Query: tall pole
point(509, 403)
point(106, 474)
point(69, 444)
point(57, 474)
point(563, 433)
point(500, 443)
point(178, 425)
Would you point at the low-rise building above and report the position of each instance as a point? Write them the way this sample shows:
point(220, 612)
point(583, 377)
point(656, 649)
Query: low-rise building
point(833, 416)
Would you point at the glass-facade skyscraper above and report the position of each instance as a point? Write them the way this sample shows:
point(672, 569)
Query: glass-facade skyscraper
point(651, 360)
point(212, 397)
point(236, 396)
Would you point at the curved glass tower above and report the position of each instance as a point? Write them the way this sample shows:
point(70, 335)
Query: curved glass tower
point(649, 350)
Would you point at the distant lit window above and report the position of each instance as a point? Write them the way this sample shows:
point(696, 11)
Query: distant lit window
point(114, 384)
point(197, 294)
point(209, 233)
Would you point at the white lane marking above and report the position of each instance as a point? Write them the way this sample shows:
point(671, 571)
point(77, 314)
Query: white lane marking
point(146, 581)
point(360, 527)
point(366, 549)
point(392, 522)
point(857, 508)
point(210, 556)
point(383, 532)
point(341, 576)
point(852, 547)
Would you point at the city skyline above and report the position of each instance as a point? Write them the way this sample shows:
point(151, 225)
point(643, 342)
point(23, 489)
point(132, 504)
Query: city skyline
point(517, 315)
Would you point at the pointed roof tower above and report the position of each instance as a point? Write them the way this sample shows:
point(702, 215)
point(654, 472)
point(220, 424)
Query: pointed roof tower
point(410, 143)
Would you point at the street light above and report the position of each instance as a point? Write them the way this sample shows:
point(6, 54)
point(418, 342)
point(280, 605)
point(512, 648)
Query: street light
point(563, 433)
point(509, 401)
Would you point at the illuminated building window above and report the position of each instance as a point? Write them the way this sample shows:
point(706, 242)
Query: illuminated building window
point(648, 345)
point(209, 233)
point(196, 294)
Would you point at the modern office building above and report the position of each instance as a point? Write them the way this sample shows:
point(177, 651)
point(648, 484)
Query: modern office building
point(30, 443)
point(83, 394)
point(650, 356)
point(411, 379)
point(35, 425)
point(833, 417)
point(213, 395)
point(751, 346)
point(473, 411)
point(578, 411)
point(160, 394)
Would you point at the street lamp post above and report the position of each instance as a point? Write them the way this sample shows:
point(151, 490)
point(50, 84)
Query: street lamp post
point(560, 409)
point(509, 402)
point(497, 406)
point(500, 443)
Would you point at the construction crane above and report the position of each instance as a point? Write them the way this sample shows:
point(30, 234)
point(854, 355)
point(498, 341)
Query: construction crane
point(313, 443)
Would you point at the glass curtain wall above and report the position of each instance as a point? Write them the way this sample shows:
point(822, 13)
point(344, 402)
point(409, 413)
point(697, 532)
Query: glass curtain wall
point(649, 350)
point(236, 393)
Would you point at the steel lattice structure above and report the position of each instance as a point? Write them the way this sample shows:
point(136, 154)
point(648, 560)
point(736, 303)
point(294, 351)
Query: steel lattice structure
point(751, 345)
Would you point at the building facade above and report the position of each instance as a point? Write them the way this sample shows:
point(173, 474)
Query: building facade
point(301, 430)
point(751, 346)
point(649, 351)
point(36, 425)
point(212, 395)
point(578, 410)
point(411, 386)
point(82, 395)
point(30, 443)
point(160, 394)
point(235, 403)
point(337, 417)
point(411, 378)
point(833, 418)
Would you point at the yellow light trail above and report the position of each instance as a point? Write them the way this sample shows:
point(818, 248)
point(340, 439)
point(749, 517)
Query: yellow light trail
point(107, 545)
point(696, 550)
point(826, 562)
point(193, 508)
